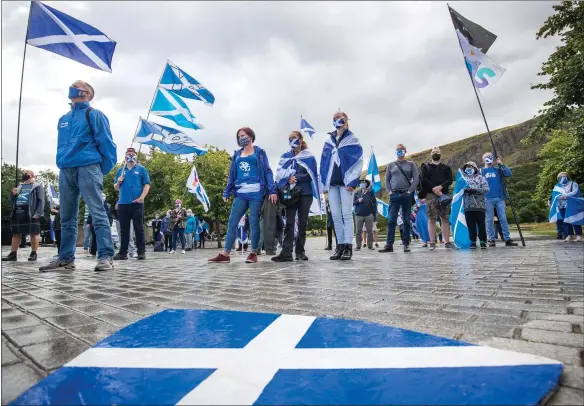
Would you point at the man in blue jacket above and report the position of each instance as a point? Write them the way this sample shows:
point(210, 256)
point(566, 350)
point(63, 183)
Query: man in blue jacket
point(496, 199)
point(85, 152)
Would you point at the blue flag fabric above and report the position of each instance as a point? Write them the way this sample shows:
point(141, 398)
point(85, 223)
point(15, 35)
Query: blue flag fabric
point(457, 218)
point(174, 108)
point(168, 139)
point(287, 167)
point(574, 213)
point(373, 173)
point(57, 32)
point(52, 195)
point(180, 83)
point(194, 186)
point(382, 208)
point(306, 128)
point(348, 156)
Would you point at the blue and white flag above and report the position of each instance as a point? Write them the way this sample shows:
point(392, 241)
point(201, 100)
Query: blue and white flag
point(348, 156)
point(574, 213)
point(457, 218)
point(287, 166)
point(168, 139)
point(382, 208)
point(242, 234)
point(373, 173)
point(194, 185)
point(62, 34)
point(180, 83)
point(215, 357)
point(306, 128)
point(174, 108)
point(52, 196)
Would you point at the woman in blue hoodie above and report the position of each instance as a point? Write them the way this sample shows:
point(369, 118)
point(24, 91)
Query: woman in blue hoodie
point(190, 229)
point(250, 180)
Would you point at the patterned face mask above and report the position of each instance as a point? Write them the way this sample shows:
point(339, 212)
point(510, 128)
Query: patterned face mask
point(243, 141)
point(294, 142)
point(339, 122)
point(469, 171)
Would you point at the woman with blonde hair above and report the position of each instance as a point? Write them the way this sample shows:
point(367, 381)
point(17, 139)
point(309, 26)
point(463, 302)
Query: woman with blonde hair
point(340, 168)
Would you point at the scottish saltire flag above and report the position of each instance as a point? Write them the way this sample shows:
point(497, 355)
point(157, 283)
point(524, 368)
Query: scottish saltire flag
point(52, 196)
point(57, 32)
point(554, 213)
point(373, 173)
point(348, 156)
point(482, 69)
point(203, 357)
point(194, 185)
point(168, 139)
point(288, 165)
point(306, 128)
point(457, 218)
point(382, 208)
point(174, 108)
point(574, 213)
point(242, 234)
point(178, 82)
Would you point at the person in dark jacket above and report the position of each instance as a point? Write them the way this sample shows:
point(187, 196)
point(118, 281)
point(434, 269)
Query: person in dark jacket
point(165, 228)
point(156, 227)
point(365, 212)
point(28, 206)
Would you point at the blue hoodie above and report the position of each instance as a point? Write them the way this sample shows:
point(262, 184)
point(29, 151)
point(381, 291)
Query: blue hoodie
point(493, 176)
point(191, 225)
point(79, 146)
point(267, 185)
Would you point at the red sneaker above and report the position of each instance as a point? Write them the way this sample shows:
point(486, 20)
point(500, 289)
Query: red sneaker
point(252, 259)
point(220, 258)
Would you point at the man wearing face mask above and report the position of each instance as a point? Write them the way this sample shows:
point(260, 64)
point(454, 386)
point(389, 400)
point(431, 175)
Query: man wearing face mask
point(133, 182)
point(28, 206)
point(436, 179)
point(365, 212)
point(401, 181)
point(85, 152)
point(496, 199)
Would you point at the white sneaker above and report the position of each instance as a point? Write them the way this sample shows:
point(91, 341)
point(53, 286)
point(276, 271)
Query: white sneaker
point(172, 252)
point(183, 251)
point(569, 238)
point(579, 238)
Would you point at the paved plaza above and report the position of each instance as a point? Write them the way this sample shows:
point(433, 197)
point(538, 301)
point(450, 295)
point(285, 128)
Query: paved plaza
point(522, 299)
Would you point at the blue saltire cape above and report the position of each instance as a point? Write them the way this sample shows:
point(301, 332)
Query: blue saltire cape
point(457, 218)
point(574, 205)
point(348, 156)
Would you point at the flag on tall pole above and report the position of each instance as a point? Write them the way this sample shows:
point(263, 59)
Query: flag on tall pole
point(168, 139)
point(476, 35)
point(194, 186)
point(173, 108)
point(180, 83)
point(482, 69)
point(306, 128)
point(373, 173)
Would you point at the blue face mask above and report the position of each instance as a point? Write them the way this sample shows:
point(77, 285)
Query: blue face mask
point(400, 152)
point(243, 141)
point(469, 171)
point(339, 122)
point(131, 158)
point(294, 142)
point(563, 180)
point(74, 93)
point(489, 160)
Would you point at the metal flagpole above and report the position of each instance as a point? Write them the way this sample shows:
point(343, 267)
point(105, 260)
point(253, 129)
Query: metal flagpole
point(20, 97)
point(491, 139)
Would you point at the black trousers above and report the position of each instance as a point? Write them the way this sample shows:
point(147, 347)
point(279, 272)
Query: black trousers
point(302, 206)
point(58, 240)
point(167, 241)
point(476, 219)
point(131, 212)
point(330, 231)
point(202, 237)
point(93, 247)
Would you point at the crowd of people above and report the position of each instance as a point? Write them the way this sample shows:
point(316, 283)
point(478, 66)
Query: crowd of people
point(267, 212)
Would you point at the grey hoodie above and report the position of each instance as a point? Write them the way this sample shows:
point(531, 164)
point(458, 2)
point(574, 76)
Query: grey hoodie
point(474, 195)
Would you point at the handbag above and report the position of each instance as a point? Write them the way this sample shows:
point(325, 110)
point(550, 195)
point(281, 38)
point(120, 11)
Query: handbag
point(443, 200)
point(289, 196)
point(409, 183)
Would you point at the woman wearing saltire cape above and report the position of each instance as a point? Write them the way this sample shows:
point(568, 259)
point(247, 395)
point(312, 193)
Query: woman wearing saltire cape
point(341, 164)
point(567, 208)
point(297, 167)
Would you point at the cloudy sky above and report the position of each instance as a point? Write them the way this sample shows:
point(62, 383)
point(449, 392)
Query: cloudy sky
point(394, 67)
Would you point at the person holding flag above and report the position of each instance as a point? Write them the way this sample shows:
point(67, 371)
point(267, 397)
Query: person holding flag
point(475, 204)
point(567, 207)
point(297, 169)
point(133, 183)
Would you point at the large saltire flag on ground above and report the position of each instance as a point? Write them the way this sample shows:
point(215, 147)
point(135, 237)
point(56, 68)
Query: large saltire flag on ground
point(457, 218)
point(482, 69)
point(174, 108)
point(180, 83)
point(57, 32)
point(195, 187)
point(168, 139)
point(373, 173)
point(306, 128)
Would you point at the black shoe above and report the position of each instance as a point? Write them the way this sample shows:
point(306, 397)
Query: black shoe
point(371, 248)
point(473, 245)
point(510, 243)
point(32, 256)
point(270, 252)
point(559, 237)
point(358, 248)
point(338, 252)
point(282, 257)
point(347, 252)
point(141, 255)
point(387, 248)
point(492, 243)
point(329, 248)
point(10, 257)
point(376, 245)
point(483, 245)
point(120, 257)
point(407, 248)
point(301, 257)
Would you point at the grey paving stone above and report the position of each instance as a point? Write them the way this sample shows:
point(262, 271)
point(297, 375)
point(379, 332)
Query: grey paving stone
point(567, 397)
point(11, 311)
point(567, 355)
point(70, 320)
point(52, 311)
point(35, 304)
point(553, 337)
point(143, 308)
point(8, 357)
point(94, 333)
point(33, 335)
point(12, 322)
point(573, 377)
point(16, 379)
point(561, 326)
point(75, 303)
point(120, 319)
point(96, 308)
point(53, 354)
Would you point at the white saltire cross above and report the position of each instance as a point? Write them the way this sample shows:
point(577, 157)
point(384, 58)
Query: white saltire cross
point(178, 109)
point(242, 374)
point(193, 87)
point(70, 37)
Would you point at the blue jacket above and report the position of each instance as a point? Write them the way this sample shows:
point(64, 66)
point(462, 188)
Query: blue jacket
point(267, 185)
point(493, 176)
point(78, 147)
point(191, 225)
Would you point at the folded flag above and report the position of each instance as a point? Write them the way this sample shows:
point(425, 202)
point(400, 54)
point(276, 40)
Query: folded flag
point(476, 35)
point(180, 83)
point(482, 69)
point(174, 108)
point(457, 218)
point(306, 128)
point(195, 187)
point(168, 139)
point(373, 173)
point(382, 208)
point(57, 32)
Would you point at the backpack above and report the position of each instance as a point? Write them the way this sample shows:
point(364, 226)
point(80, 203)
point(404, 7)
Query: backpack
point(158, 246)
point(88, 120)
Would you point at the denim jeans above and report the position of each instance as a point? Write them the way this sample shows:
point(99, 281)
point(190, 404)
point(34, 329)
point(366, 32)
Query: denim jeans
point(341, 204)
point(397, 201)
point(131, 214)
point(86, 236)
point(86, 181)
point(180, 232)
point(238, 209)
point(499, 204)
